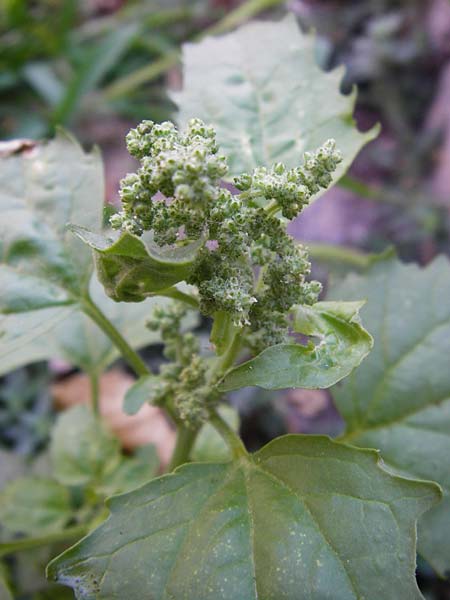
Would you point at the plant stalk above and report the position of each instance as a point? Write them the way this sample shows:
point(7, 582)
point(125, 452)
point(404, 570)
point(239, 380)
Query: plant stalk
point(95, 392)
point(230, 437)
point(177, 294)
point(183, 446)
point(225, 361)
point(132, 358)
point(339, 254)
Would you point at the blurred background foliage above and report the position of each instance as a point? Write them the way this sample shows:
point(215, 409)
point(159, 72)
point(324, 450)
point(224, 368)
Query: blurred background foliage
point(98, 67)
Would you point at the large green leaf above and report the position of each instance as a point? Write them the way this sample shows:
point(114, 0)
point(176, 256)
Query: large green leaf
point(132, 472)
point(341, 345)
point(43, 265)
point(34, 506)
point(399, 399)
point(304, 518)
point(82, 451)
point(132, 270)
point(262, 90)
point(41, 189)
point(67, 333)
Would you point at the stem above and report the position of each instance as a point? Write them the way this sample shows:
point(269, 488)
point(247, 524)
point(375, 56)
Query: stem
point(272, 208)
point(222, 332)
point(126, 84)
point(30, 543)
point(361, 189)
point(95, 392)
point(131, 357)
point(338, 254)
point(231, 438)
point(177, 294)
point(185, 440)
point(227, 359)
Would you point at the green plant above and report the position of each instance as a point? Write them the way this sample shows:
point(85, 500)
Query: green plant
point(63, 63)
point(305, 516)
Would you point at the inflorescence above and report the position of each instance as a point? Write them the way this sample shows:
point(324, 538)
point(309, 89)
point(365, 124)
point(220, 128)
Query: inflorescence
point(248, 267)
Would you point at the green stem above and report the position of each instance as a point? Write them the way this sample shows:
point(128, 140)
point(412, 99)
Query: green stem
point(338, 254)
point(131, 357)
point(127, 84)
point(230, 437)
point(361, 189)
point(95, 392)
point(51, 538)
point(242, 13)
point(177, 294)
point(185, 441)
point(272, 208)
point(222, 332)
point(225, 361)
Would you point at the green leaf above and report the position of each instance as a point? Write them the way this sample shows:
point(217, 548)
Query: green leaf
point(82, 451)
point(34, 506)
point(399, 399)
point(141, 392)
point(67, 333)
point(41, 189)
point(5, 590)
point(304, 518)
point(342, 343)
point(97, 63)
point(132, 270)
point(42, 78)
point(131, 472)
point(261, 88)
point(209, 445)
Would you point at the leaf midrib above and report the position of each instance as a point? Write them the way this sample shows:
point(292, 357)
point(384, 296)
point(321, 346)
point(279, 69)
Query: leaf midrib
point(272, 477)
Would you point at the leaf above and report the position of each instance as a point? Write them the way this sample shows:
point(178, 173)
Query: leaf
point(132, 472)
point(93, 69)
point(67, 333)
point(261, 88)
point(34, 506)
point(131, 270)
point(399, 399)
point(82, 451)
point(342, 345)
point(42, 265)
point(304, 518)
point(41, 77)
point(209, 445)
point(5, 591)
point(141, 392)
point(43, 187)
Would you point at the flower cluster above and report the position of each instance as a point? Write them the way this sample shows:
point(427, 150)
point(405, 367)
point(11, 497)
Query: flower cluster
point(292, 189)
point(183, 386)
point(248, 267)
point(184, 167)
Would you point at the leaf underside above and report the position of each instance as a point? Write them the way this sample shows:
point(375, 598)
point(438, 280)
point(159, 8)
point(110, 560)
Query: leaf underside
point(42, 189)
point(262, 90)
point(304, 518)
point(131, 270)
point(399, 399)
point(45, 269)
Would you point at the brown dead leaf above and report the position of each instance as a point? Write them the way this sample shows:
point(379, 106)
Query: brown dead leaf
point(16, 146)
point(148, 426)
